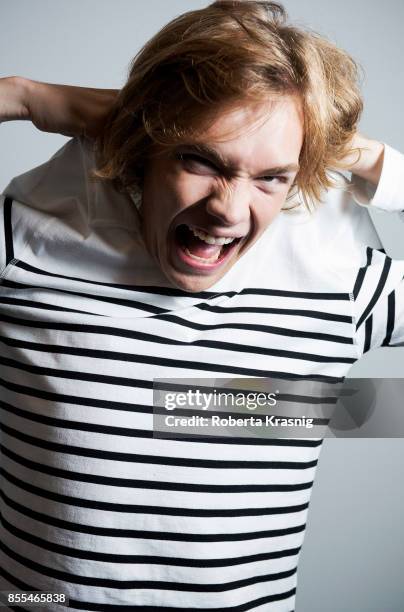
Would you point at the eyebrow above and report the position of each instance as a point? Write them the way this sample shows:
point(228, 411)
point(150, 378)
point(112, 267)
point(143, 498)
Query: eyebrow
point(217, 158)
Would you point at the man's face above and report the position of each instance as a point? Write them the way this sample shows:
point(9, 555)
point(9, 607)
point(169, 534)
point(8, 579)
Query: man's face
point(226, 189)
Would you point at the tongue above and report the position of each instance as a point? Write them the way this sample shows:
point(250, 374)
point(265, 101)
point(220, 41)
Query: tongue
point(198, 247)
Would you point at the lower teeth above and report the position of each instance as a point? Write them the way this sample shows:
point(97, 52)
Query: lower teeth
point(210, 260)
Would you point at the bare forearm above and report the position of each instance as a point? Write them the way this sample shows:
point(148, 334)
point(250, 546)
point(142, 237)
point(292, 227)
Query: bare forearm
point(76, 111)
point(63, 109)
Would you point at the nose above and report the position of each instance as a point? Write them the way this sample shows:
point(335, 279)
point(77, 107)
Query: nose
point(230, 202)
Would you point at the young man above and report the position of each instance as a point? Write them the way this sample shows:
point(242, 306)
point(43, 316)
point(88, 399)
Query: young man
point(179, 264)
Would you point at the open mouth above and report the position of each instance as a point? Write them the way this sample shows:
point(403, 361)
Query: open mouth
point(199, 249)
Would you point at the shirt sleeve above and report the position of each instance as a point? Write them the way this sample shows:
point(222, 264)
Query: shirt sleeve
point(378, 292)
point(388, 195)
point(6, 238)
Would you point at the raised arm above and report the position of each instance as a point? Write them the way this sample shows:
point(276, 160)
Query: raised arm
point(62, 109)
point(81, 111)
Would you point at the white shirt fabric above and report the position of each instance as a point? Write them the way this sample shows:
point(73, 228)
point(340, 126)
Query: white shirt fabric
point(92, 505)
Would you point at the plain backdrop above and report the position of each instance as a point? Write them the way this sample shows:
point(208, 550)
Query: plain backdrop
point(353, 557)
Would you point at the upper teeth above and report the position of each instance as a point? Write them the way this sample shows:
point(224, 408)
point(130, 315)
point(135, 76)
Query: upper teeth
point(210, 239)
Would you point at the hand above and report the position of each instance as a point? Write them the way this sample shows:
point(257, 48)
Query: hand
point(61, 109)
point(369, 165)
point(13, 99)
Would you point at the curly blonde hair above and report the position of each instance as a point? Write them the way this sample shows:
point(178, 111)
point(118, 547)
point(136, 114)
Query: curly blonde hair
point(232, 52)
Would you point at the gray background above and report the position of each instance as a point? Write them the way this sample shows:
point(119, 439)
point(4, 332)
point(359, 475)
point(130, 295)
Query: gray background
point(353, 557)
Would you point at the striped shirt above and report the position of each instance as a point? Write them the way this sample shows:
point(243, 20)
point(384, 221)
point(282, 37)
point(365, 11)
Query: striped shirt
point(92, 505)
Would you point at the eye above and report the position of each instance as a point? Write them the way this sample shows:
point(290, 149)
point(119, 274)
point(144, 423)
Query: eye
point(272, 183)
point(274, 179)
point(196, 163)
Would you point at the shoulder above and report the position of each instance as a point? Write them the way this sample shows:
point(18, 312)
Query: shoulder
point(56, 211)
point(56, 189)
point(58, 185)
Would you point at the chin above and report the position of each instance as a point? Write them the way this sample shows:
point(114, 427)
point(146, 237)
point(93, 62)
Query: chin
point(192, 283)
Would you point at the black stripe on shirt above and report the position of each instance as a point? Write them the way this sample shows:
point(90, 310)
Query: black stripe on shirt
point(102, 607)
point(8, 230)
point(362, 272)
point(43, 306)
point(80, 554)
point(90, 296)
point(368, 334)
point(314, 314)
point(115, 558)
point(169, 291)
point(80, 451)
point(125, 508)
point(137, 483)
point(391, 313)
point(268, 329)
point(158, 339)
